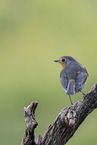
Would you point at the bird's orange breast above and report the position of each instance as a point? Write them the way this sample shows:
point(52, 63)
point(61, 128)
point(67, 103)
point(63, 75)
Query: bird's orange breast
point(63, 65)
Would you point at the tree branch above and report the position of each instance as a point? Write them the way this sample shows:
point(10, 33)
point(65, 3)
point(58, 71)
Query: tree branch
point(65, 124)
point(29, 115)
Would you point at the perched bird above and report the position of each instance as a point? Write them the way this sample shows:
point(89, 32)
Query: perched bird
point(73, 75)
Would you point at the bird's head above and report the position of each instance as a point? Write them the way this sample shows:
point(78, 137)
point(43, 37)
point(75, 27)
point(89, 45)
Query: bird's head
point(65, 60)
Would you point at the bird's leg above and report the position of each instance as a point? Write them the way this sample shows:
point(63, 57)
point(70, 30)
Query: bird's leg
point(83, 93)
point(70, 100)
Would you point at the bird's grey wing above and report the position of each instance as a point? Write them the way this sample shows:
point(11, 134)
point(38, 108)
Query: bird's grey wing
point(71, 87)
point(64, 82)
point(68, 79)
point(68, 85)
point(81, 78)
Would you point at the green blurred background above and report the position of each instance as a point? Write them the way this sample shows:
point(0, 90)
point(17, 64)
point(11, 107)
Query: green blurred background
point(32, 34)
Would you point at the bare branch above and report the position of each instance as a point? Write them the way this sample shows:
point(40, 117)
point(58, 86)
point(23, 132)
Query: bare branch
point(65, 124)
point(29, 115)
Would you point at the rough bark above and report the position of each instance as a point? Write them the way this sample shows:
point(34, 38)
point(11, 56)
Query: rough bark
point(65, 124)
point(29, 115)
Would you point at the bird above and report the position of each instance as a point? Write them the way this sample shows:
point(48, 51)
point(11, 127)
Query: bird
point(73, 75)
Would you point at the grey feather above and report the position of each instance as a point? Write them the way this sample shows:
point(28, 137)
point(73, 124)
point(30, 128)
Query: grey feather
point(71, 87)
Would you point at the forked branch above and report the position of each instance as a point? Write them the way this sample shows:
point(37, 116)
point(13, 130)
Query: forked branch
point(65, 124)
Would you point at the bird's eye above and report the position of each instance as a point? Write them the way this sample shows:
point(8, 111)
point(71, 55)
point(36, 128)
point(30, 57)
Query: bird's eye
point(63, 60)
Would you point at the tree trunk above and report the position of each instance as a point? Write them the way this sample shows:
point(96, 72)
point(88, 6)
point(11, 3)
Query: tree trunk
point(65, 124)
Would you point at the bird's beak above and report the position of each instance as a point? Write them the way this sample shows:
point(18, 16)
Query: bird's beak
point(56, 61)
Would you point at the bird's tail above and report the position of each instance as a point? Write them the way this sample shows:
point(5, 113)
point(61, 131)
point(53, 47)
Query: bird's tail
point(71, 87)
